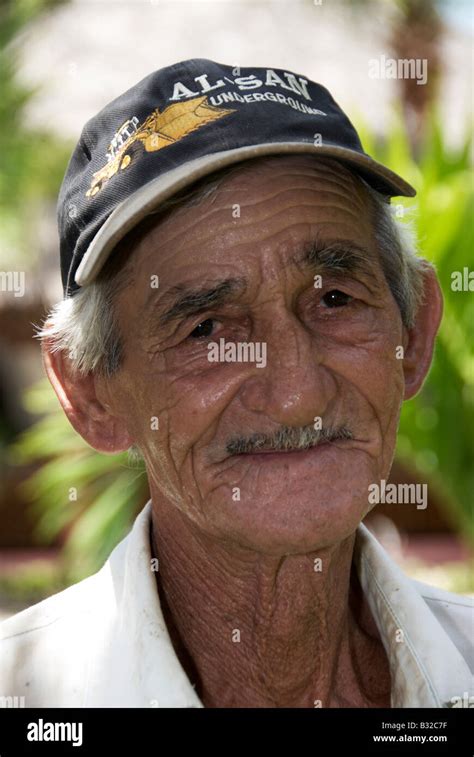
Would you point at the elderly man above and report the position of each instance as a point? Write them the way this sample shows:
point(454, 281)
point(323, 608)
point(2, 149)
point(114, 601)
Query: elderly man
point(242, 309)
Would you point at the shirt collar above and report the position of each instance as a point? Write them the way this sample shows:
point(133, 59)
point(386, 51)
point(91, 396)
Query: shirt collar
point(427, 668)
point(134, 663)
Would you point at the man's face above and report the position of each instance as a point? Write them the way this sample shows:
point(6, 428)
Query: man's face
point(241, 267)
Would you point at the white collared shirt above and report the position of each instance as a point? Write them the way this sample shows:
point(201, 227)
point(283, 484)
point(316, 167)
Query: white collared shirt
point(103, 642)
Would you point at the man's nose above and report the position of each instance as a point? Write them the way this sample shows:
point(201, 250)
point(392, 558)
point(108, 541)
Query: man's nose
point(295, 386)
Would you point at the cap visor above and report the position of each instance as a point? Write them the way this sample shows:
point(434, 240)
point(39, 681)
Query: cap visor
point(146, 199)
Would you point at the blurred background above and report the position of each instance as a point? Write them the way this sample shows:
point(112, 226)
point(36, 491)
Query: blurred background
point(63, 506)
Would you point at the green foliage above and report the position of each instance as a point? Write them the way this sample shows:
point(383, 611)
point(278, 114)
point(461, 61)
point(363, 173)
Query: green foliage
point(89, 498)
point(31, 159)
point(436, 430)
point(32, 582)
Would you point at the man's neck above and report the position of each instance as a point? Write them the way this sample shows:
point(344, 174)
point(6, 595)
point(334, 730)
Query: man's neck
point(254, 630)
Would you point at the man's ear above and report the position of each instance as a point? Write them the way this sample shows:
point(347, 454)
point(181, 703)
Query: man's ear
point(420, 338)
point(90, 417)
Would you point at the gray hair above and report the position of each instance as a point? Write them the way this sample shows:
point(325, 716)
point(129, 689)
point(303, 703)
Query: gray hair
point(85, 327)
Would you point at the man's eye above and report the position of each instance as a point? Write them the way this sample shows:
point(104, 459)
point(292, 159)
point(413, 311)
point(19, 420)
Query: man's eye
point(203, 329)
point(336, 299)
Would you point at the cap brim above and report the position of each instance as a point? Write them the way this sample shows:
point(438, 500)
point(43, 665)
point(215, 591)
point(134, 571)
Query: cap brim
point(146, 199)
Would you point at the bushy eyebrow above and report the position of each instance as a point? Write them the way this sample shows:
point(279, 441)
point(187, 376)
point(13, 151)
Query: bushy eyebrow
point(186, 302)
point(181, 301)
point(337, 256)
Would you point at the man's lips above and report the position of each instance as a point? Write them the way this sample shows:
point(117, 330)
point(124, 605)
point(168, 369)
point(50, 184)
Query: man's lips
point(266, 456)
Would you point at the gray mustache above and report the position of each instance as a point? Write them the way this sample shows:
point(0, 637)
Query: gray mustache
point(287, 439)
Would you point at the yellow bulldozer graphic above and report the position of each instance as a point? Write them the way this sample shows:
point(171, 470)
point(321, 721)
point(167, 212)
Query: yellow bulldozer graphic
point(157, 131)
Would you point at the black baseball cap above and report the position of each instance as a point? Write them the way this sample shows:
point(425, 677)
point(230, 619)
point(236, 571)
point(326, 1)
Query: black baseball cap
point(179, 124)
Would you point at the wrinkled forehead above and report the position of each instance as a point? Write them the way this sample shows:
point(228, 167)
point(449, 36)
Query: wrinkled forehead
point(277, 172)
point(260, 190)
point(277, 205)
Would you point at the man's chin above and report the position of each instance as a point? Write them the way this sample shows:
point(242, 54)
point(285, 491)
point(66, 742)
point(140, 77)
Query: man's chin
point(278, 525)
